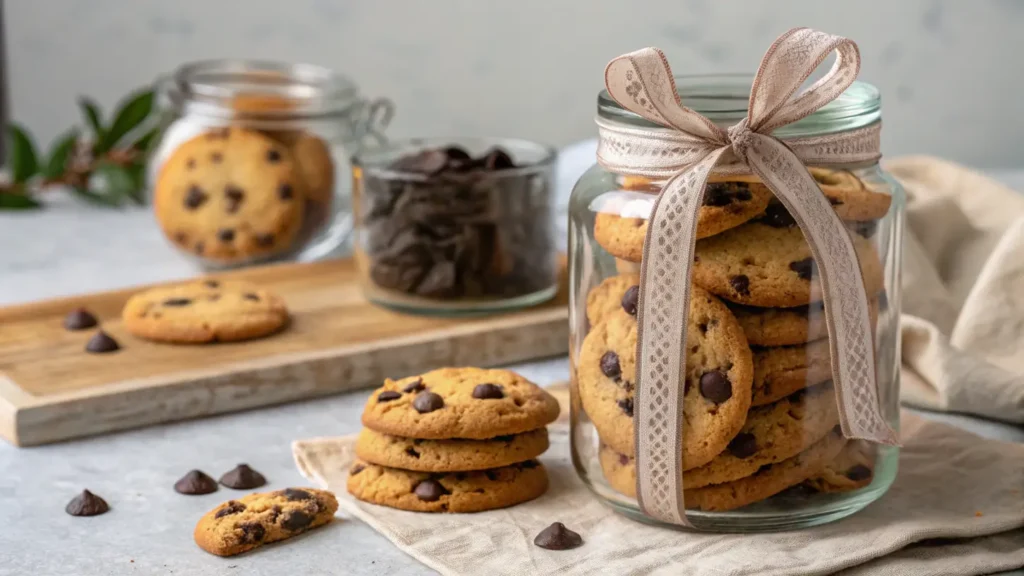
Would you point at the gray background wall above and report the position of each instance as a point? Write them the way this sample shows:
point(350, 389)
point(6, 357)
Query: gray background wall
point(951, 71)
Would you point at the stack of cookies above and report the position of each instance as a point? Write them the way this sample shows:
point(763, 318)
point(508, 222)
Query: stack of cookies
point(453, 440)
point(760, 408)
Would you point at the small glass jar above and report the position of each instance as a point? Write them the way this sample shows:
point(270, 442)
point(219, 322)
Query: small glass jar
point(785, 465)
point(253, 161)
point(453, 226)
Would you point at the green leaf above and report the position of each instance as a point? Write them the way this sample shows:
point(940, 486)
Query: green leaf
point(94, 198)
point(23, 158)
point(137, 172)
point(128, 117)
point(92, 116)
point(143, 143)
point(118, 182)
point(60, 153)
point(10, 201)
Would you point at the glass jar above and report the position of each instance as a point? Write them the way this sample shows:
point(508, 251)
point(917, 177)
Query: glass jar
point(780, 463)
point(456, 226)
point(253, 161)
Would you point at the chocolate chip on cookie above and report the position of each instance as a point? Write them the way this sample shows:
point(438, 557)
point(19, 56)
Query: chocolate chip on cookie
point(610, 365)
point(631, 299)
point(743, 445)
point(488, 391)
point(715, 386)
point(388, 395)
point(428, 402)
point(429, 490)
point(415, 386)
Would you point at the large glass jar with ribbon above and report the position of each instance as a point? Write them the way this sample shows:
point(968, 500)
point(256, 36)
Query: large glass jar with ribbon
point(734, 301)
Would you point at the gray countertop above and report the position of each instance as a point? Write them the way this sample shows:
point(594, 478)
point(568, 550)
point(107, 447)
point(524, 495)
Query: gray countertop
point(69, 249)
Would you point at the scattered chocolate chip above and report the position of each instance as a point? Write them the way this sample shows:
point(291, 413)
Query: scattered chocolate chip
point(294, 494)
point(356, 469)
point(388, 396)
point(610, 365)
point(429, 490)
point(86, 504)
point(498, 159)
point(251, 296)
point(226, 234)
point(242, 477)
point(803, 268)
point(743, 445)
point(488, 392)
point(631, 299)
point(558, 537)
point(627, 406)
point(234, 196)
point(284, 192)
point(273, 156)
point(296, 520)
point(264, 240)
point(623, 459)
point(195, 482)
point(176, 302)
point(416, 385)
point(427, 402)
point(232, 507)
point(776, 216)
point(715, 386)
point(79, 319)
point(252, 532)
point(101, 343)
point(195, 197)
point(412, 452)
point(216, 157)
point(741, 284)
point(858, 473)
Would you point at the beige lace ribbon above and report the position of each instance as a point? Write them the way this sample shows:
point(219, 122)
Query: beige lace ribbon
point(688, 151)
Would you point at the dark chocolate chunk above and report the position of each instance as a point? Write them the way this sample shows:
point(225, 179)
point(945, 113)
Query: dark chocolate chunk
point(285, 192)
point(232, 507)
point(264, 240)
point(275, 511)
point(498, 159)
point(610, 365)
point(416, 385)
point(388, 396)
point(252, 532)
point(356, 469)
point(424, 162)
point(195, 482)
point(717, 194)
point(79, 319)
point(627, 406)
point(427, 402)
point(294, 494)
point(623, 459)
point(233, 196)
point(488, 392)
point(86, 504)
point(195, 197)
point(273, 156)
point(858, 473)
point(429, 490)
point(176, 302)
point(101, 343)
point(743, 445)
point(226, 234)
point(715, 386)
point(412, 452)
point(803, 268)
point(776, 216)
point(242, 477)
point(296, 520)
point(631, 299)
point(741, 284)
point(558, 537)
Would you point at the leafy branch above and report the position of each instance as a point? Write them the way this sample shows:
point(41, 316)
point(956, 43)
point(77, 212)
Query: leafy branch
point(106, 167)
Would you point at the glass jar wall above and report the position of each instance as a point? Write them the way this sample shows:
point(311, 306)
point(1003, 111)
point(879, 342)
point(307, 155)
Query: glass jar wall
point(253, 161)
point(762, 448)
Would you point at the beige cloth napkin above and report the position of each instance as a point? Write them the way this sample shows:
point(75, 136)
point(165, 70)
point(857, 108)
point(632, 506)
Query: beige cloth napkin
point(963, 291)
point(951, 484)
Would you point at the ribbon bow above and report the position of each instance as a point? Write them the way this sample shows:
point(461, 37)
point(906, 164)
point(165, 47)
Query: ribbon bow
point(642, 82)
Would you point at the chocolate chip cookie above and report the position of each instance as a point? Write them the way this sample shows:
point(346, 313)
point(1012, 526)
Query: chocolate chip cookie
point(230, 195)
point(448, 492)
point(765, 265)
point(204, 311)
point(781, 371)
point(622, 291)
point(727, 204)
point(454, 455)
point(787, 326)
point(468, 403)
point(240, 525)
point(853, 468)
point(717, 387)
point(850, 197)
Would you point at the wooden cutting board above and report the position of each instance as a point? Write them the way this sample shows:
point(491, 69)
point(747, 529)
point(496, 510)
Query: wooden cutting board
point(51, 389)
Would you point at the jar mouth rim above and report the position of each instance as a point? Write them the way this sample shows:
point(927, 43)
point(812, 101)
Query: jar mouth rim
point(308, 89)
point(377, 160)
point(723, 99)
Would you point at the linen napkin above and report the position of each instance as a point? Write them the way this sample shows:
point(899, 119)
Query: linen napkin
point(956, 508)
point(963, 291)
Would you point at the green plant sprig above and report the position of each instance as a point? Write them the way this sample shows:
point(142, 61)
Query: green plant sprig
point(107, 167)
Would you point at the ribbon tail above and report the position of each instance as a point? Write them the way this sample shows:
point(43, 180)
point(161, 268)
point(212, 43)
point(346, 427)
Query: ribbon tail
point(851, 337)
point(661, 341)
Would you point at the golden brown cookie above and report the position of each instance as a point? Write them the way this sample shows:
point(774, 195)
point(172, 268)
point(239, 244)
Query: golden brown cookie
point(316, 166)
point(610, 295)
point(448, 492)
point(760, 264)
point(853, 468)
point(718, 380)
point(470, 403)
point(449, 455)
point(204, 311)
point(727, 204)
point(850, 197)
point(781, 371)
point(230, 195)
point(251, 521)
point(787, 326)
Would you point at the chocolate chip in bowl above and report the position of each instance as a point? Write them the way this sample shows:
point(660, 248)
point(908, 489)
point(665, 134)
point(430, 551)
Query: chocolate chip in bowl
point(456, 227)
